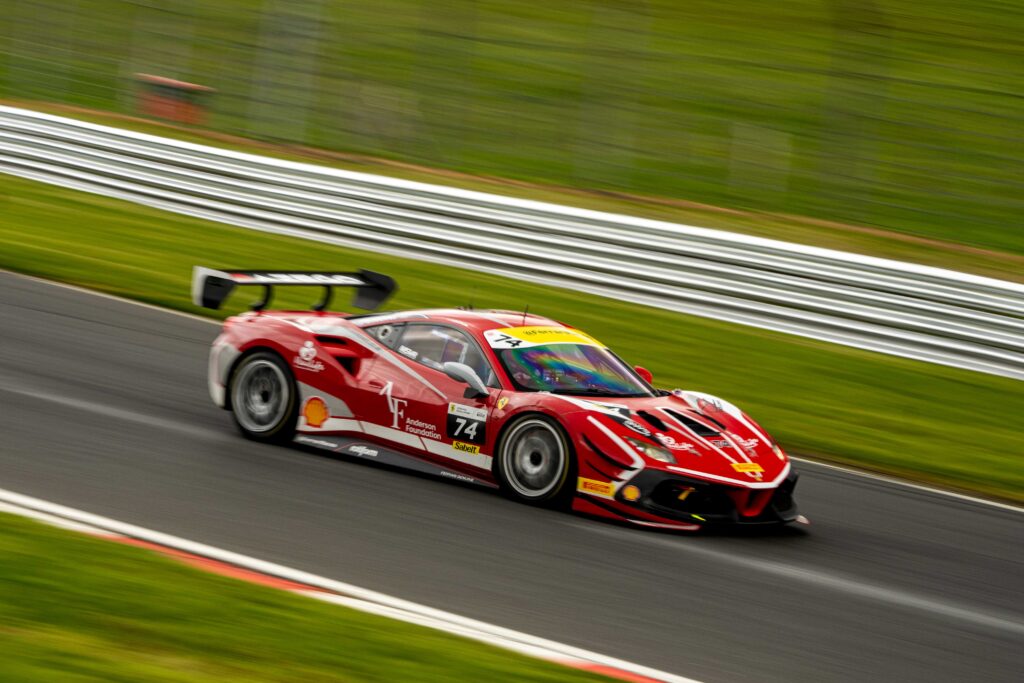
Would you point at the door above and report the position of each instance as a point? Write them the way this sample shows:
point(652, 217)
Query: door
point(420, 407)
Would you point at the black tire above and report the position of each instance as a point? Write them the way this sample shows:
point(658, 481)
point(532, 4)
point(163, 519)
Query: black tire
point(264, 399)
point(535, 462)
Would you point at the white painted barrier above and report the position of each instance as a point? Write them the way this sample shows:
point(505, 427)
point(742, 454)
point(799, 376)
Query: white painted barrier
point(920, 312)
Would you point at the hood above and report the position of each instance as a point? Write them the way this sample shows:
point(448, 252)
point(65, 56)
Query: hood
point(707, 437)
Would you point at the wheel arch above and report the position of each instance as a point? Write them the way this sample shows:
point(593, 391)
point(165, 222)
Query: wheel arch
point(248, 351)
point(572, 456)
point(519, 417)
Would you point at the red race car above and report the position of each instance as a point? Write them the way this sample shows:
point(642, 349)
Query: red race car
point(505, 399)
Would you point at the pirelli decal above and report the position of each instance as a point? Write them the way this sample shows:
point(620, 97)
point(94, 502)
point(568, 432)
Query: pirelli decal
point(747, 467)
point(596, 488)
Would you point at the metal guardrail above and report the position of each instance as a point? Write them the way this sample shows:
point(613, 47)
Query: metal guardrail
point(904, 309)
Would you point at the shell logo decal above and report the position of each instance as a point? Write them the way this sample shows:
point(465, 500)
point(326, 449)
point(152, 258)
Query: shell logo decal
point(315, 411)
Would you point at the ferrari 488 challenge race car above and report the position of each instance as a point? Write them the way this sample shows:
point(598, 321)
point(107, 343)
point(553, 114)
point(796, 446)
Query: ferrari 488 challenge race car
point(505, 399)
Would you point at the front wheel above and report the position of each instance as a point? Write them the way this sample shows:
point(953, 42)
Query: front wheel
point(263, 398)
point(535, 462)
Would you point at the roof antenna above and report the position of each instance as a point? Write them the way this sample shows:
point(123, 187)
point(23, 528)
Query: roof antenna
point(525, 312)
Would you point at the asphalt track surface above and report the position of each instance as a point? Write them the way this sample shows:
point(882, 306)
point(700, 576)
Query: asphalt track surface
point(103, 407)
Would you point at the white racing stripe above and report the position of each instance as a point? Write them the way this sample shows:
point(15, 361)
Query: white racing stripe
point(738, 482)
point(395, 435)
point(330, 425)
point(638, 462)
point(342, 593)
point(850, 471)
point(446, 450)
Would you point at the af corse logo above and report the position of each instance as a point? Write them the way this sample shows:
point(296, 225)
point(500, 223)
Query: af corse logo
point(395, 405)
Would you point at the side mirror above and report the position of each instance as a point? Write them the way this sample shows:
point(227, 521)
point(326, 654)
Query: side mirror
point(460, 372)
point(644, 373)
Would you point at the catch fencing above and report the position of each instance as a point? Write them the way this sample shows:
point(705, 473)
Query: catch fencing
point(904, 309)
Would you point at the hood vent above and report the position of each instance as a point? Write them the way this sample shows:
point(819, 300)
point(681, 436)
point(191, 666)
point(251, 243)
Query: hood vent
point(653, 420)
point(696, 427)
point(711, 419)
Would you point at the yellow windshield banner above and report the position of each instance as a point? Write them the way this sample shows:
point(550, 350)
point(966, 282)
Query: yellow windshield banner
point(536, 335)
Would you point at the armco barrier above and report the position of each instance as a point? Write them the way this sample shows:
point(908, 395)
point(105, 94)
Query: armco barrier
point(920, 312)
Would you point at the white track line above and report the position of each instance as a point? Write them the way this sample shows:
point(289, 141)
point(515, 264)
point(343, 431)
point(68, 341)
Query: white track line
point(854, 472)
point(339, 592)
point(906, 484)
point(112, 297)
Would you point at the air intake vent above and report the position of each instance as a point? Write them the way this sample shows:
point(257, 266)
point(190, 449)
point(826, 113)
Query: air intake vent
point(698, 428)
point(653, 420)
point(332, 341)
point(711, 419)
point(349, 363)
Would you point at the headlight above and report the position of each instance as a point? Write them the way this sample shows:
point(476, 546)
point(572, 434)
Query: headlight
point(650, 450)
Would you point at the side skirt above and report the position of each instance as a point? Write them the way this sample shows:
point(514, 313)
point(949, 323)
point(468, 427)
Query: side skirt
point(374, 452)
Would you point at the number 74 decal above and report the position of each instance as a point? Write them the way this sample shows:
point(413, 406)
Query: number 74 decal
point(466, 423)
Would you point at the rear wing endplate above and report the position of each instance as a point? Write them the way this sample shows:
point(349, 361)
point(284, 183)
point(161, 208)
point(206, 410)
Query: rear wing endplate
point(211, 287)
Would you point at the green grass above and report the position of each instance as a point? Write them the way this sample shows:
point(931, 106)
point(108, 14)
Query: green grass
point(928, 422)
point(897, 114)
point(78, 609)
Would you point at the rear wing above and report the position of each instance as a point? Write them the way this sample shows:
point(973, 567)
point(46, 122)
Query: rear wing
point(211, 287)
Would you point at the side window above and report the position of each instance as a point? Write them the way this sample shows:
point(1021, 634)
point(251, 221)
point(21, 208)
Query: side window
point(387, 334)
point(435, 345)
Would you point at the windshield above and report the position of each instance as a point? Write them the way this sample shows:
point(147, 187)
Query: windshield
point(576, 369)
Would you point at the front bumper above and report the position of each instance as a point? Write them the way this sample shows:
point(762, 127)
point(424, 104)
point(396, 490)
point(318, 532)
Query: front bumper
point(672, 497)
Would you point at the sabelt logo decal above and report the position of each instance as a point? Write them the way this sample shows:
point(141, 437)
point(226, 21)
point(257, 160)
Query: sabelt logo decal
point(307, 358)
point(315, 411)
point(747, 467)
point(598, 488)
point(466, 447)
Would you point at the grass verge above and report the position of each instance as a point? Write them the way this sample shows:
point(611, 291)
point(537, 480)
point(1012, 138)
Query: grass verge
point(900, 114)
point(927, 422)
point(78, 609)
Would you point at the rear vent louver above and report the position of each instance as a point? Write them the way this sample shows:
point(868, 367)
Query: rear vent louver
point(698, 428)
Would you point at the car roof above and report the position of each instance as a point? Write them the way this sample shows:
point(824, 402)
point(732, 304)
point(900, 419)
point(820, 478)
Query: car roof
point(477, 321)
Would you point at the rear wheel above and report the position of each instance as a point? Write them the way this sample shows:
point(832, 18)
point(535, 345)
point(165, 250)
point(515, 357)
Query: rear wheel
point(263, 398)
point(535, 462)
